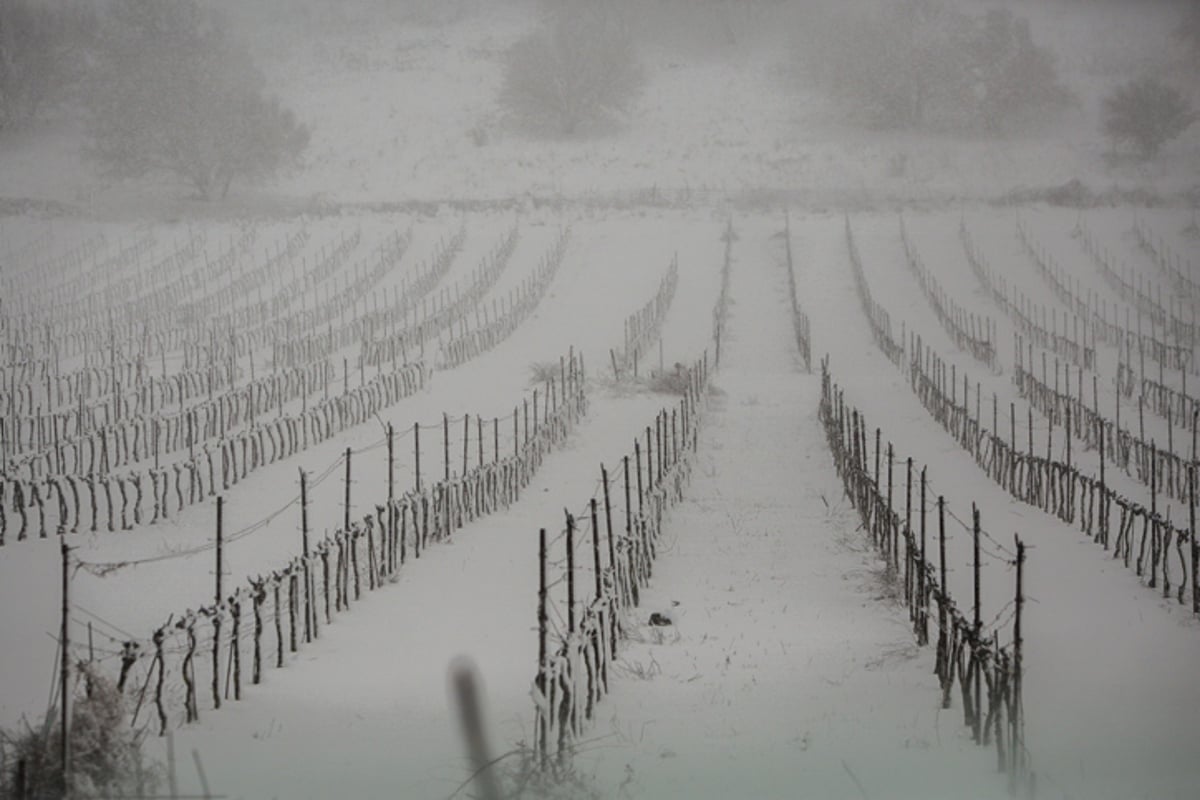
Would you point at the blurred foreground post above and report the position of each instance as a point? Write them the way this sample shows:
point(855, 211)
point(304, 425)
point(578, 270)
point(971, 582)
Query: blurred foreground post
point(465, 687)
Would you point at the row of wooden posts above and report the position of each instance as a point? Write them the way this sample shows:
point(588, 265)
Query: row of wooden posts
point(67, 443)
point(1167, 260)
point(1163, 469)
point(801, 328)
point(227, 643)
point(1178, 355)
point(1031, 319)
point(1144, 296)
point(1177, 406)
point(974, 334)
point(252, 448)
point(127, 320)
point(101, 314)
point(407, 318)
point(497, 327)
point(31, 261)
point(1059, 487)
point(878, 318)
point(288, 314)
point(1161, 397)
point(205, 472)
point(332, 320)
point(76, 299)
point(191, 302)
point(1055, 486)
point(720, 312)
point(125, 389)
point(573, 674)
point(987, 674)
point(643, 326)
point(125, 364)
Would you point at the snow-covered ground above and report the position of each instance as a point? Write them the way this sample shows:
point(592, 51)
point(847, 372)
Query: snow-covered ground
point(789, 669)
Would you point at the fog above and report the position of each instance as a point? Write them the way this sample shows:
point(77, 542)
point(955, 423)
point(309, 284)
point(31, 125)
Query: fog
point(368, 299)
point(410, 100)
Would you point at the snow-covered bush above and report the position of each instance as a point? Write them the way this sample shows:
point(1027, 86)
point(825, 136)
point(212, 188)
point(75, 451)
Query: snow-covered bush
point(173, 92)
point(526, 776)
point(1145, 114)
point(672, 381)
point(579, 68)
point(106, 754)
point(541, 372)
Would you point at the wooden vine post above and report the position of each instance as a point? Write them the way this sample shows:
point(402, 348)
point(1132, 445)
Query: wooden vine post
point(308, 608)
point(944, 595)
point(570, 574)
point(612, 557)
point(977, 627)
point(417, 455)
point(216, 651)
point(64, 672)
point(1103, 529)
point(466, 441)
point(1192, 530)
point(1016, 747)
point(346, 505)
point(543, 730)
point(892, 549)
point(922, 576)
point(391, 518)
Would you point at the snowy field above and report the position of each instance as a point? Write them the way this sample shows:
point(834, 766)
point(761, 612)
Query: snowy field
point(161, 353)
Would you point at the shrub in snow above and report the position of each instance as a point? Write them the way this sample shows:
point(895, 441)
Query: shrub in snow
point(673, 381)
point(923, 64)
point(541, 372)
point(528, 777)
point(173, 92)
point(106, 754)
point(1145, 114)
point(578, 69)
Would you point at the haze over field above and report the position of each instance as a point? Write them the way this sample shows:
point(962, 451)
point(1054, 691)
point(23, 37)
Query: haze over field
point(752, 303)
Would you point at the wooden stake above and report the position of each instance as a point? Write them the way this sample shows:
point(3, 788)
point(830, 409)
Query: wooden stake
point(596, 549)
point(391, 441)
point(466, 441)
point(346, 516)
point(1192, 530)
point(570, 574)
point(543, 620)
point(64, 674)
point(1016, 747)
point(220, 547)
point(976, 723)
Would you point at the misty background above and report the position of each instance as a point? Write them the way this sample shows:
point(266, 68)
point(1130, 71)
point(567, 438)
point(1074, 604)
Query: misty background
point(649, 122)
point(112, 106)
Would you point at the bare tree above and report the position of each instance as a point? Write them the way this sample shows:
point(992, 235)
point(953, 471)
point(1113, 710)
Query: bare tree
point(173, 92)
point(924, 64)
point(578, 68)
point(1145, 114)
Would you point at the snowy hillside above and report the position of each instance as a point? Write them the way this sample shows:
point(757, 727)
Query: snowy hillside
point(676, 428)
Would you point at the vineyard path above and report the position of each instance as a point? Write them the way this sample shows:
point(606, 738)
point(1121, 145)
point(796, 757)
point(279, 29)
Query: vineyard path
point(785, 654)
